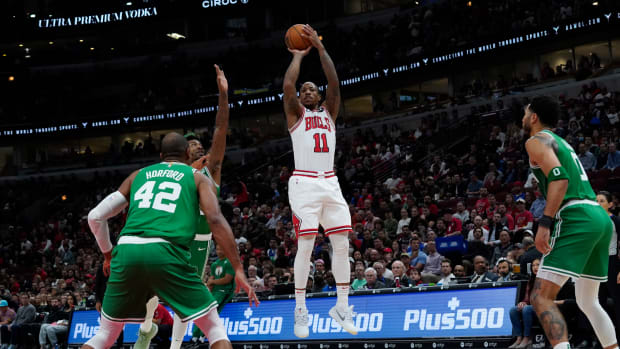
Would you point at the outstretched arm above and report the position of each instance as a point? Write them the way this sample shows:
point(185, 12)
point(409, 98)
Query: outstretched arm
point(332, 98)
point(292, 107)
point(218, 145)
point(221, 232)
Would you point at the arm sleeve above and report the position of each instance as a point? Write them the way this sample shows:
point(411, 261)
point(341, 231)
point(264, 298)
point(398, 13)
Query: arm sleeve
point(98, 217)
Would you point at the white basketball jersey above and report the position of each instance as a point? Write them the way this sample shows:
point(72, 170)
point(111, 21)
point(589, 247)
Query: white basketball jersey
point(314, 141)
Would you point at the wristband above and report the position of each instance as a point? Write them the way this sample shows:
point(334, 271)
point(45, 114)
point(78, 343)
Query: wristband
point(557, 173)
point(545, 222)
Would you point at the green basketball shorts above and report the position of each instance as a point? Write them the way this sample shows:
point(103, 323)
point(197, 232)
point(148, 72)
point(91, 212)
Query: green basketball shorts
point(580, 241)
point(199, 253)
point(142, 268)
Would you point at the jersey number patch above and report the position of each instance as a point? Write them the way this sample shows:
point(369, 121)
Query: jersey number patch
point(168, 191)
point(317, 143)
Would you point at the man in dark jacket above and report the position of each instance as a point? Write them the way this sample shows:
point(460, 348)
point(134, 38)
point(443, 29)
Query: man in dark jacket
point(54, 323)
point(481, 273)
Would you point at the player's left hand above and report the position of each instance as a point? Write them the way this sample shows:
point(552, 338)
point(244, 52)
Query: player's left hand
point(311, 34)
point(542, 240)
point(222, 83)
point(242, 283)
point(200, 163)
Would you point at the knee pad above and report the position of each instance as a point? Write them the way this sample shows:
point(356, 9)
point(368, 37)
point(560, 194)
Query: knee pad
point(211, 325)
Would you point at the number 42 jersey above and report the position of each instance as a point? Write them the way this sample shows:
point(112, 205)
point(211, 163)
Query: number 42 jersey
point(164, 204)
point(314, 141)
point(578, 183)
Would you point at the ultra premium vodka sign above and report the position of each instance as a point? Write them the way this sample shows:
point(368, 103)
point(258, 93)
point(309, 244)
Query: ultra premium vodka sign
point(101, 18)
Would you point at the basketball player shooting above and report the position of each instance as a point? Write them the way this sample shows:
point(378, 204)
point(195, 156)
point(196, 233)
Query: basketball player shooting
point(313, 189)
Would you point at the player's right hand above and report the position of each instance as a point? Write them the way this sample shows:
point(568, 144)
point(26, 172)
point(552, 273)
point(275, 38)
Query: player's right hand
point(302, 53)
point(242, 283)
point(106, 264)
point(542, 240)
point(200, 163)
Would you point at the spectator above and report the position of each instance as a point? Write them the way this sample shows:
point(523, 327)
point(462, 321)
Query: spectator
point(453, 224)
point(495, 227)
point(432, 268)
point(459, 271)
point(383, 275)
point(330, 282)
point(478, 225)
point(461, 213)
point(404, 221)
point(390, 224)
point(523, 217)
point(530, 254)
point(359, 281)
point(481, 271)
point(54, 323)
point(400, 278)
point(474, 186)
point(524, 312)
point(7, 315)
point(319, 267)
point(538, 206)
point(12, 333)
point(418, 258)
point(164, 323)
point(613, 158)
point(587, 159)
point(504, 269)
point(414, 277)
point(507, 219)
point(446, 273)
point(371, 280)
point(502, 249)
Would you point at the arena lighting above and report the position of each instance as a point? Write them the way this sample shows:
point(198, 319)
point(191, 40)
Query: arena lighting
point(175, 36)
point(111, 48)
point(4, 55)
point(81, 40)
point(33, 15)
point(128, 3)
point(469, 4)
point(595, 3)
point(64, 197)
point(51, 43)
point(21, 45)
point(11, 78)
point(92, 48)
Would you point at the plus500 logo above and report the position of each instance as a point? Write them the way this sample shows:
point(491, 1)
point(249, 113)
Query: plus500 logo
point(263, 325)
point(83, 331)
point(364, 322)
point(461, 319)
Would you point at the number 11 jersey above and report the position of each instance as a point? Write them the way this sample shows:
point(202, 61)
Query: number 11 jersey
point(164, 204)
point(314, 141)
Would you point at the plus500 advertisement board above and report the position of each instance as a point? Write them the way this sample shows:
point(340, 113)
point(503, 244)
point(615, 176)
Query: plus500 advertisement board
point(447, 313)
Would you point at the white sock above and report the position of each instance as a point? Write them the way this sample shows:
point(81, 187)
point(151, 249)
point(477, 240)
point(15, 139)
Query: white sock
point(343, 296)
point(300, 298)
point(562, 345)
point(151, 305)
point(178, 332)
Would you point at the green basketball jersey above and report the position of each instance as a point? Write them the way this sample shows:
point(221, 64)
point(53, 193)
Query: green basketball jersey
point(578, 183)
point(203, 225)
point(163, 204)
point(219, 269)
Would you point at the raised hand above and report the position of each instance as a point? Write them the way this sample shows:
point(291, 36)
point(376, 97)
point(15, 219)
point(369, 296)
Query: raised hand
point(222, 83)
point(310, 34)
point(301, 53)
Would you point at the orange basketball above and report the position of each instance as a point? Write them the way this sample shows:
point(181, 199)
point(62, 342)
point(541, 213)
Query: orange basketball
point(294, 40)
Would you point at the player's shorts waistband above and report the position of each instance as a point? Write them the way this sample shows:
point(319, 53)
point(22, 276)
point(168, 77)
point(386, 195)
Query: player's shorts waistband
point(137, 240)
point(576, 202)
point(203, 237)
point(314, 174)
